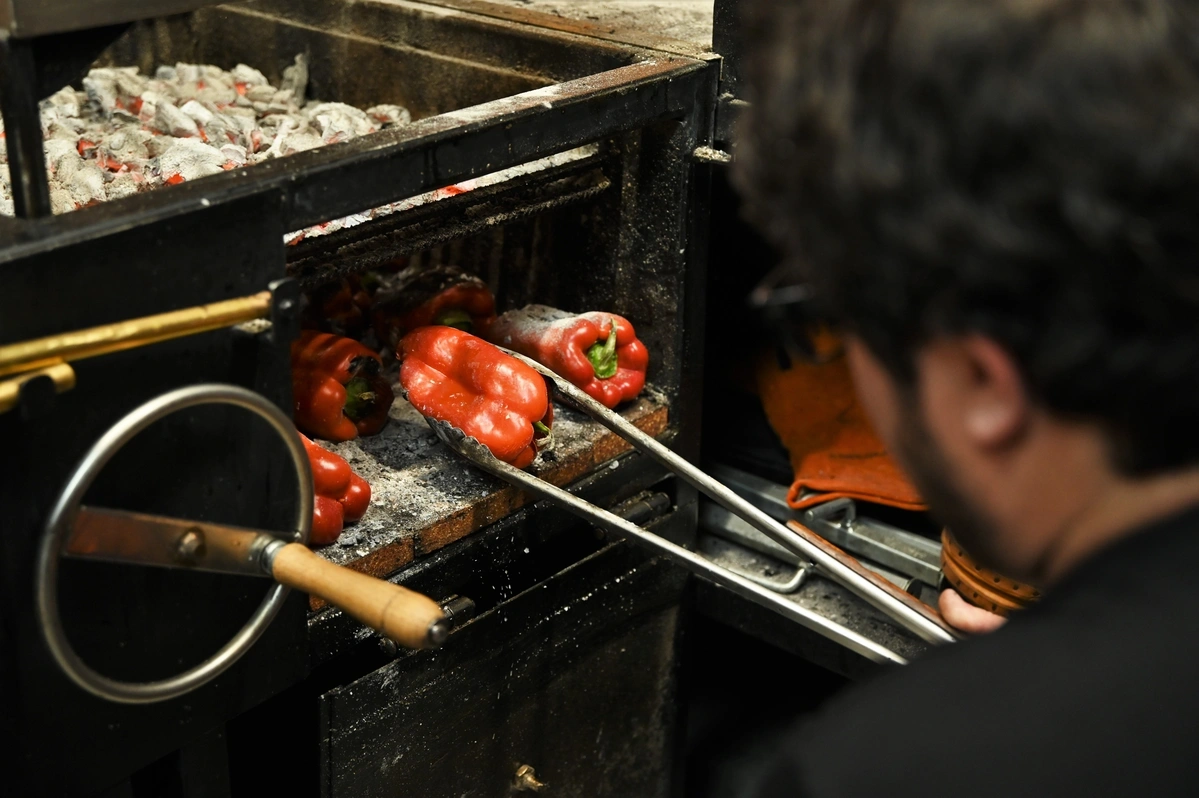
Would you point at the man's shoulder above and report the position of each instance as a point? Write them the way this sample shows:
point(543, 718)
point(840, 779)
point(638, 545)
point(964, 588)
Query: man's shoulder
point(1055, 700)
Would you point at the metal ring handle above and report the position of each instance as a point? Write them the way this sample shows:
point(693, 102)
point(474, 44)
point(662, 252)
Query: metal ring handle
point(63, 516)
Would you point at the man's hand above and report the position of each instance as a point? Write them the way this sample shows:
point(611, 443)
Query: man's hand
point(966, 617)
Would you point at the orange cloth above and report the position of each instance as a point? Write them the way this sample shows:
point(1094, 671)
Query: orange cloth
point(815, 412)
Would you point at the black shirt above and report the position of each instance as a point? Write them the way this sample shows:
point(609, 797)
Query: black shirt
point(1094, 691)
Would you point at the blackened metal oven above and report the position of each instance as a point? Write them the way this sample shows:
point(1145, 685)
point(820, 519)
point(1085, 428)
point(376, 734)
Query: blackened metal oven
point(538, 678)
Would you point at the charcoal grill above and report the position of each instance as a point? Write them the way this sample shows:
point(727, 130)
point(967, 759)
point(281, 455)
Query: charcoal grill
point(612, 224)
point(588, 154)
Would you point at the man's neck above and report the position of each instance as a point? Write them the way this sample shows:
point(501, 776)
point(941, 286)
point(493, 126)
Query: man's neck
point(1119, 507)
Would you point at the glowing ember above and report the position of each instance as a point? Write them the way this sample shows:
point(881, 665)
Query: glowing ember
point(127, 132)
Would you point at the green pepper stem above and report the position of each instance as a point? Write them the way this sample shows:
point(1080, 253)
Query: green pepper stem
point(603, 356)
point(369, 280)
point(360, 399)
point(543, 437)
point(457, 318)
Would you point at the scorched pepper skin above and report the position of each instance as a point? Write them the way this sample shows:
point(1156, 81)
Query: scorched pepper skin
point(561, 341)
point(342, 308)
point(338, 387)
point(455, 377)
point(341, 496)
point(417, 298)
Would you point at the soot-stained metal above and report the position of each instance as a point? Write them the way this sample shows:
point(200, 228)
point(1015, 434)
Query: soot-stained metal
point(599, 208)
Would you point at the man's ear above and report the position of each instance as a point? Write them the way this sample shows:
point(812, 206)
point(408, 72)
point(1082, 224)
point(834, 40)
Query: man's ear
point(976, 382)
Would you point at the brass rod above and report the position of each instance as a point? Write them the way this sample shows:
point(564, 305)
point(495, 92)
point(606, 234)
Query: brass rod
point(10, 390)
point(131, 333)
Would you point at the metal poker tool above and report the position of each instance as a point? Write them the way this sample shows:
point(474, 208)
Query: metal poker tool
point(830, 561)
point(112, 535)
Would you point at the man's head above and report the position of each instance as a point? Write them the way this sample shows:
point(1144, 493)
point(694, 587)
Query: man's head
point(998, 203)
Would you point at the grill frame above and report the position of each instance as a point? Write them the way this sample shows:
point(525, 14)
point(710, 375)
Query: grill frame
point(156, 251)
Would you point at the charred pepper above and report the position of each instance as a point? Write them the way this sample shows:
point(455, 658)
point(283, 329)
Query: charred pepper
point(341, 496)
point(341, 307)
point(417, 297)
point(455, 377)
point(338, 387)
point(599, 352)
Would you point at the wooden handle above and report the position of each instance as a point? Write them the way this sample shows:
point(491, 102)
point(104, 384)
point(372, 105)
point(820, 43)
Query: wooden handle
point(407, 617)
point(864, 572)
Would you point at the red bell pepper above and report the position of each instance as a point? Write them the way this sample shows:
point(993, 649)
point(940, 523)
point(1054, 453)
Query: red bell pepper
point(599, 352)
point(340, 307)
point(341, 495)
point(417, 297)
point(452, 376)
point(338, 387)
point(328, 520)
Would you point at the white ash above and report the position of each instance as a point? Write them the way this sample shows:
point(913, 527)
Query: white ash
point(541, 164)
point(191, 159)
point(123, 184)
point(416, 480)
point(390, 114)
point(169, 119)
point(127, 132)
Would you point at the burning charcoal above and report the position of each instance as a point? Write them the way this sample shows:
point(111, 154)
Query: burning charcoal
point(295, 79)
point(281, 103)
point(235, 154)
point(292, 135)
point(130, 85)
point(101, 88)
point(151, 99)
point(287, 127)
point(389, 115)
point(105, 85)
point(61, 200)
point(260, 94)
point(189, 159)
point(340, 122)
point(270, 123)
point(124, 117)
point(275, 102)
point(157, 145)
point(198, 113)
point(220, 129)
point(129, 147)
point(188, 73)
point(122, 184)
point(216, 88)
point(127, 132)
point(245, 117)
point(169, 119)
point(58, 149)
point(242, 121)
point(302, 140)
point(65, 102)
point(55, 126)
point(248, 76)
point(83, 180)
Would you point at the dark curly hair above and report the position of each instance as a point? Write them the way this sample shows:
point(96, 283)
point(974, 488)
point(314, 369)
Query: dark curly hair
point(1023, 169)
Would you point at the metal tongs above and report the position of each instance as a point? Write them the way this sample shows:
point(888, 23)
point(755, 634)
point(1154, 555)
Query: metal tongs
point(833, 563)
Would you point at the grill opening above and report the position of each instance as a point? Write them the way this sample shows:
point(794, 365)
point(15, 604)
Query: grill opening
point(555, 236)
